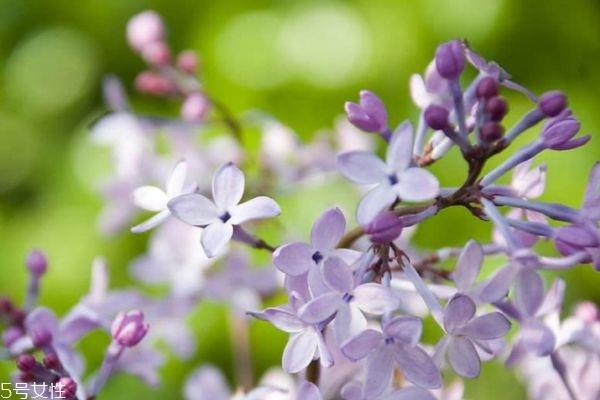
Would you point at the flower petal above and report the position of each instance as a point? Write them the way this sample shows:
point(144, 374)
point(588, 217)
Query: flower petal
point(468, 265)
point(399, 151)
point(193, 209)
point(206, 383)
point(374, 202)
point(176, 180)
point(418, 184)
point(228, 186)
point(214, 237)
point(150, 198)
point(328, 229)
point(320, 308)
point(529, 292)
point(411, 393)
point(349, 321)
point(458, 312)
point(359, 346)
point(378, 372)
point(417, 366)
point(294, 259)
point(405, 329)
point(497, 286)
point(316, 284)
point(538, 338)
point(308, 391)
point(283, 320)
point(486, 327)
point(374, 298)
point(463, 357)
point(151, 222)
point(337, 275)
point(361, 167)
point(299, 351)
point(257, 208)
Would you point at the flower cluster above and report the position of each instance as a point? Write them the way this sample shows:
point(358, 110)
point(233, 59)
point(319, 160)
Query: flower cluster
point(356, 298)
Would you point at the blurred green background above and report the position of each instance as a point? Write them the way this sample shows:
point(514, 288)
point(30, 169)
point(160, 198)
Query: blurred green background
point(298, 60)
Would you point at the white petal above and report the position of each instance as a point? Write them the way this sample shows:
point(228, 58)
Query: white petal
point(374, 202)
point(299, 351)
point(193, 209)
point(214, 237)
point(418, 184)
point(374, 298)
point(150, 198)
point(399, 152)
point(361, 167)
point(257, 208)
point(177, 179)
point(228, 186)
point(153, 222)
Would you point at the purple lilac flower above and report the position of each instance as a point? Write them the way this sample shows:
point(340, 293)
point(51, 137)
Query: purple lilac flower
point(394, 179)
point(397, 343)
point(354, 391)
point(219, 217)
point(369, 115)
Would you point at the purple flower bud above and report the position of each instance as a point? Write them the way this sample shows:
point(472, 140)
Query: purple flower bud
point(491, 131)
point(36, 262)
point(51, 361)
point(145, 28)
point(11, 335)
point(553, 103)
point(487, 88)
point(436, 117)
point(450, 59)
point(384, 228)
point(26, 362)
point(128, 329)
point(576, 238)
point(194, 107)
point(187, 62)
point(41, 337)
point(369, 114)
point(496, 107)
point(6, 305)
point(558, 132)
point(66, 388)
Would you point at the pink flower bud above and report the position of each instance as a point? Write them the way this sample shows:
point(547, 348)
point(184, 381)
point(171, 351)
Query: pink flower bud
point(26, 362)
point(154, 84)
point(145, 28)
point(194, 107)
point(187, 62)
point(157, 53)
point(66, 388)
point(587, 312)
point(128, 329)
point(37, 263)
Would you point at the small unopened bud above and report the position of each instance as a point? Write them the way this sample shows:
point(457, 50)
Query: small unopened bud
point(450, 59)
point(157, 53)
point(37, 263)
point(145, 28)
point(487, 88)
point(384, 228)
point(553, 103)
point(195, 107)
point(369, 115)
point(51, 361)
point(557, 133)
point(436, 117)
point(587, 312)
point(128, 329)
point(187, 62)
point(26, 362)
point(11, 335)
point(496, 107)
point(41, 337)
point(66, 388)
point(491, 132)
point(153, 83)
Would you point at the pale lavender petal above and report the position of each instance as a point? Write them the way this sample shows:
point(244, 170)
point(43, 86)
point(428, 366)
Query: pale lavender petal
point(463, 357)
point(228, 186)
point(553, 299)
point(591, 203)
point(349, 256)
point(193, 209)
point(77, 323)
point(214, 238)
point(348, 322)
point(328, 229)
point(361, 167)
point(351, 391)
point(320, 308)
point(460, 309)
point(538, 338)
point(297, 289)
point(378, 372)
point(176, 181)
point(325, 357)
point(357, 347)
point(299, 351)
point(41, 318)
point(70, 359)
point(468, 265)
point(294, 259)
point(142, 361)
point(316, 284)
point(405, 329)
point(207, 383)
point(529, 292)
point(308, 391)
point(256, 208)
point(399, 151)
point(283, 320)
point(417, 366)
point(418, 184)
point(489, 326)
point(150, 198)
point(337, 275)
point(497, 287)
point(411, 393)
point(152, 222)
point(374, 298)
point(374, 202)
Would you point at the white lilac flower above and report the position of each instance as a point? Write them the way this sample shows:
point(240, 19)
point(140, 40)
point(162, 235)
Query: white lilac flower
point(220, 215)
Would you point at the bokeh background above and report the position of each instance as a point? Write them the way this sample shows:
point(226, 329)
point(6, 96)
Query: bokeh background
point(298, 60)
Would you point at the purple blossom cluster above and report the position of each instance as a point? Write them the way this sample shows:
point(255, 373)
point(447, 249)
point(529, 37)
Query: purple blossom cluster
point(358, 299)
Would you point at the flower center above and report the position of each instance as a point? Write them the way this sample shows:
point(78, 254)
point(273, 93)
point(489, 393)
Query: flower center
point(389, 340)
point(393, 179)
point(225, 217)
point(317, 257)
point(347, 297)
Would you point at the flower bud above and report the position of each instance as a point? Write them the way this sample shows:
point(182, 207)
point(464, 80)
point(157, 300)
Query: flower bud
point(144, 29)
point(491, 132)
point(552, 103)
point(194, 107)
point(66, 388)
point(436, 117)
point(26, 362)
point(369, 114)
point(51, 361)
point(6, 305)
point(11, 335)
point(157, 53)
point(576, 238)
point(128, 329)
point(450, 59)
point(153, 83)
point(187, 62)
point(587, 312)
point(384, 228)
point(36, 262)
point(487, 88)
point(558, 132)
point(41, 337)
point(496, 107)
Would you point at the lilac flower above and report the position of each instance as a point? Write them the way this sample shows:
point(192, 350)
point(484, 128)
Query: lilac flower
point(155, 199)
point(219, 217)
point(429, 89)
point(369, 115)
point(354, 391)
point(301, 261)
point(464, 333)
point(397, 343)
point(128, 329)
point(577, 239)
point(395, 178)
point(591, 202)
